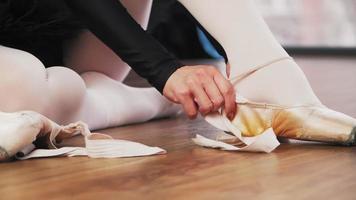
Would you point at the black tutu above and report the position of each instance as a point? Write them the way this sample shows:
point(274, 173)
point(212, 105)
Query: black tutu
point(39, 27)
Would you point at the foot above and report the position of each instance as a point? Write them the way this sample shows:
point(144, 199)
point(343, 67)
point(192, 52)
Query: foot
point(18, 131)
point(314, 123)
point(286, 104)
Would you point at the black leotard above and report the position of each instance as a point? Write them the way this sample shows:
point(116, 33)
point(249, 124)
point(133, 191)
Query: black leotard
point(39, 27)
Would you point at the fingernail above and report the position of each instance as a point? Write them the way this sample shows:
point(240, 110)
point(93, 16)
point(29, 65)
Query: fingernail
point(231, 116)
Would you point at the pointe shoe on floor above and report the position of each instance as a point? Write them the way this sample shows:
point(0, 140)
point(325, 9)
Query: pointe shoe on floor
point(19, 132)
point(301, 122)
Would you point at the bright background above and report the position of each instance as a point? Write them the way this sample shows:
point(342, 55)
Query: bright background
point(330, 23)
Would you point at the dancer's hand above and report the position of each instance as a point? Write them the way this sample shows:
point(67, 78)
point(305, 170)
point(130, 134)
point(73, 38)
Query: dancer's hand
point(201, 88)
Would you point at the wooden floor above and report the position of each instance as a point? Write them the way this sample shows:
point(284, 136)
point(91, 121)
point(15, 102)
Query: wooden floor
point(293, 171)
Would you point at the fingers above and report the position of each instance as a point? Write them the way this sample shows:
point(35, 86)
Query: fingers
point(214, 94)
point(184, 97)
point(202, 99)
point(201, 88)
point(228, 92)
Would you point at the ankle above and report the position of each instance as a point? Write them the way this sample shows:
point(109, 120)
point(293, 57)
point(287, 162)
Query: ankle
point(281, 83)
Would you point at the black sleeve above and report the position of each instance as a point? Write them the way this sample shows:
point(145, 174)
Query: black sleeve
point(211, 39)
point(111, 23)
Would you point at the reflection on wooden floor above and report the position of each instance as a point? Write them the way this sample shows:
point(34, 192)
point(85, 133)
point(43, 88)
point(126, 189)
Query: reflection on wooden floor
point(293, 171)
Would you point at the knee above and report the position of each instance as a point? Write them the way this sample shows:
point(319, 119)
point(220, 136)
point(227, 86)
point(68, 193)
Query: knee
point(22, 78)
point(67, 91)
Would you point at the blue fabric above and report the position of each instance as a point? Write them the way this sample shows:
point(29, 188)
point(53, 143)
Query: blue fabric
point(207, 46)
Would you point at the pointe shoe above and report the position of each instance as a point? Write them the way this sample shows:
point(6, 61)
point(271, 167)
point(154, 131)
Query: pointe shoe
point(18, 132)
point(312, 123)
point(301, 122)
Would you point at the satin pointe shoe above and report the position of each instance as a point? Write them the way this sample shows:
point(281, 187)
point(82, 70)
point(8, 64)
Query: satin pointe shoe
point(28, 134)
point(311, 123)
point(19, 130)
point(301, 122)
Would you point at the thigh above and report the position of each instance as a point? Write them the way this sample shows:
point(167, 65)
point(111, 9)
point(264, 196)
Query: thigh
point(88, 53)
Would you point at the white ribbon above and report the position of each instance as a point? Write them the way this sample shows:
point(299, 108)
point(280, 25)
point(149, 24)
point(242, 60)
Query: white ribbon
point(97, 145)
point(265, 142)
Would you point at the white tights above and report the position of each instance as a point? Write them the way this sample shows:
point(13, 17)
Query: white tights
point(91, 91)
point(240, 29)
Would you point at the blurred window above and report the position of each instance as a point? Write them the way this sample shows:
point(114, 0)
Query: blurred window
point(309, 23)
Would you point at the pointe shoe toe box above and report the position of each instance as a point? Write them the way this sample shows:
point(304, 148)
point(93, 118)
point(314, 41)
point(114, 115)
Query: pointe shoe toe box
point(316, 124)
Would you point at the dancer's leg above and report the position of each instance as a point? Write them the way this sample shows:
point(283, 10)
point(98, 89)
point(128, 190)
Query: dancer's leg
point(120, 103)
point(62, 95)
point(103, 71)
point(248, 42)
